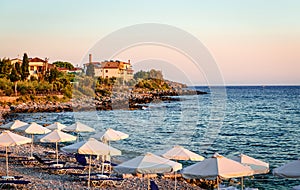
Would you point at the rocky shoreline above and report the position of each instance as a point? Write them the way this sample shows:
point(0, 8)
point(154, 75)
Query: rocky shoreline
point(130, 101)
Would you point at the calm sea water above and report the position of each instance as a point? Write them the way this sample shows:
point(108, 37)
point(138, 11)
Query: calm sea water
point(262, 122)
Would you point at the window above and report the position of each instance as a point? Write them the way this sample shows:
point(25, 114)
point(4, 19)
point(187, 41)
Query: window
point(106, 71)
point(31, 68)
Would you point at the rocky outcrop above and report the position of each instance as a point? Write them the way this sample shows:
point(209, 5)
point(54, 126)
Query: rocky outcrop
point(119, 100)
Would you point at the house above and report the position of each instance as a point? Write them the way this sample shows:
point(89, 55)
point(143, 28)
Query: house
point(37, 66)
point(108, 69)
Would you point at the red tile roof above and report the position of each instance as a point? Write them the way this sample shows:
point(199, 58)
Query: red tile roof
point(110, 65)
point(36, 59)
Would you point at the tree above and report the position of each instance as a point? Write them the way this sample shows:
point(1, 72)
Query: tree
point(63, 64)
point(154, 74)
point(5, 68)
point(90, 70)
point(141, 75)
point(54, 73)
point(18, 68)
point(14, 77)
point(25, 67)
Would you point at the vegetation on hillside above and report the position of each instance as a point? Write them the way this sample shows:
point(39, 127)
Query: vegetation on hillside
point(150, 80)
point(14, 82)
point(63, 64)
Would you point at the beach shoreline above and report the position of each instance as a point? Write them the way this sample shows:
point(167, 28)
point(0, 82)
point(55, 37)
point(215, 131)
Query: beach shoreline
point(42, 179)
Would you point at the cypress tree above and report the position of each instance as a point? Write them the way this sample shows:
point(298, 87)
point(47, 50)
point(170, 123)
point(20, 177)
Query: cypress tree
point(25, 67)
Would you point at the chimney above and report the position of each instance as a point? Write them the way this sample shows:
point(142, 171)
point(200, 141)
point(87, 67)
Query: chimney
point(90, 58)
point(129, 61)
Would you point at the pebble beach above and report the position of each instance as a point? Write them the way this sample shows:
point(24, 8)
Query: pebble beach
point(43, 179)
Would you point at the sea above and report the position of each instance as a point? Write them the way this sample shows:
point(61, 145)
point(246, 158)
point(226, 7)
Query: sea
point(260, 121)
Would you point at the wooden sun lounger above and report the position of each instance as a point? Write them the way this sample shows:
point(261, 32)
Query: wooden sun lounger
point(85, 175)
point(99, 182)
point(67, 169)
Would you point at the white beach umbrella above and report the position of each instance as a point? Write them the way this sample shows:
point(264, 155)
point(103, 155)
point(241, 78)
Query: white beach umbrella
point(56, 125)
point(91, 147)
point(148, 164)
point(57, 136)
point(288, 170)
point(78, 127)
point(13, 125)
point(216, 167)
point(258, 166)
point(33, 129)
point(7, 139)
point(179, 153)
point(110, 135)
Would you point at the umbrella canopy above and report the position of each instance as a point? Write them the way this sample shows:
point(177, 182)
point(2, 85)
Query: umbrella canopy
point(110, 135)
point(8, 138)
point(258, 166)
point(288, 170)
point(179, 153)
point(13, 125)
point(56, 125)
point(148, 164)
point(33, 129)
point(217, 166)
point(92, 147)
point(57, 136)
point(78, 127)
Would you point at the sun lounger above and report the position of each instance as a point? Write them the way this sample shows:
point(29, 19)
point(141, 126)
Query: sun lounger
point(111, 181)
point(85, 175)
point(47, 162)
point(67, 169)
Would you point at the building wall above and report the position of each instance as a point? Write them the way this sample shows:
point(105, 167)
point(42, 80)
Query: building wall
point(110, 72)
point(35, 68)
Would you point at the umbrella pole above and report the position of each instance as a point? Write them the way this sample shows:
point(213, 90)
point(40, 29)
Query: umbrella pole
point(31, 146)
point(242, 183)
point(175, 179)
point(6, 161)
point(148, 185)
point(56, 148)
point(218, 182)
point(89, 181)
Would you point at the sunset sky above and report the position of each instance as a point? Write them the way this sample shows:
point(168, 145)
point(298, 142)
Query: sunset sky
point(252, 41)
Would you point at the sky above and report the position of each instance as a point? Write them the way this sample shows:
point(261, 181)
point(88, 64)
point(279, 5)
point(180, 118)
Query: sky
point(253, 42)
